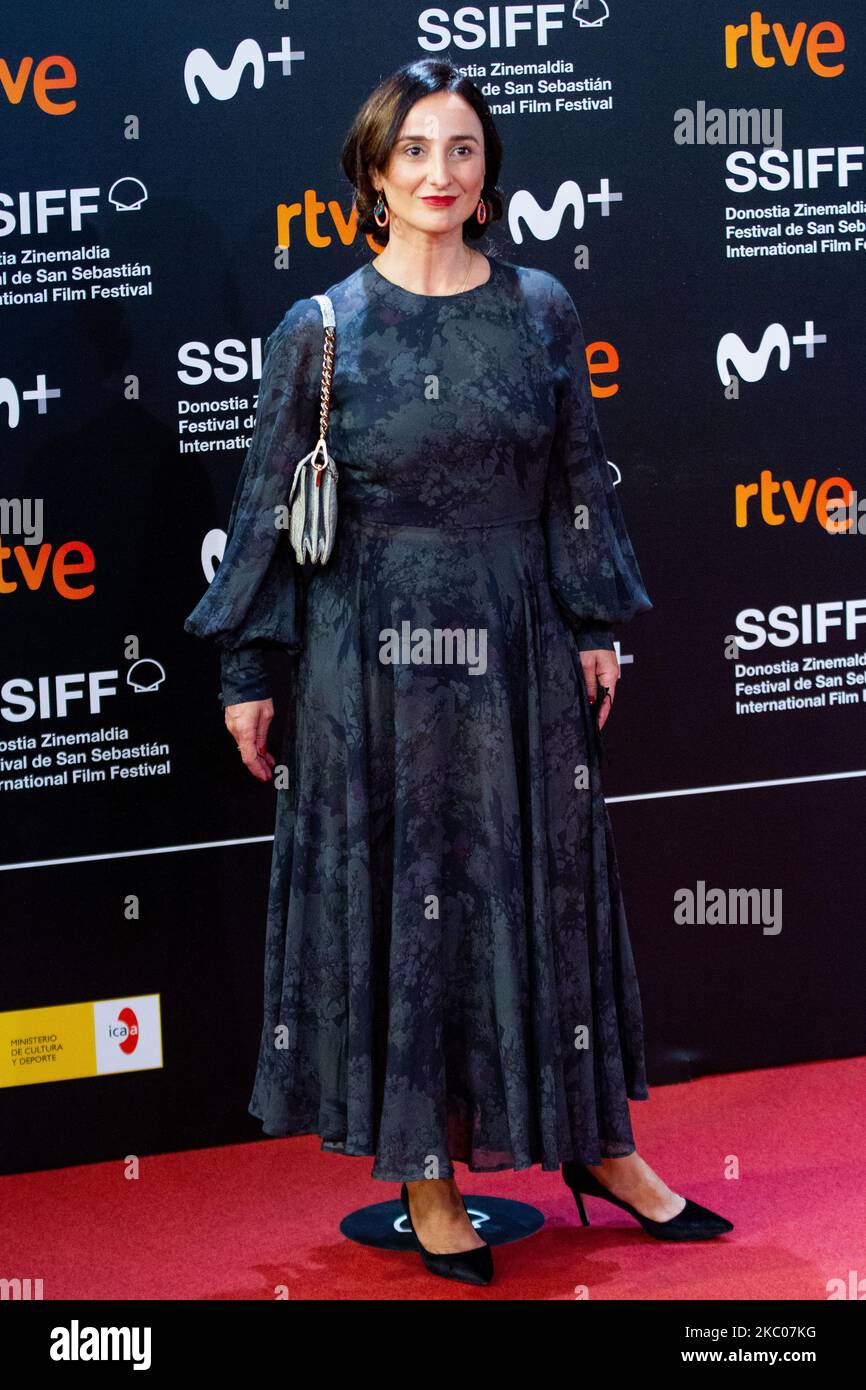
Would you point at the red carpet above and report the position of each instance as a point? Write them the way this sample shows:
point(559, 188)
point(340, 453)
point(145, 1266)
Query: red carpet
point(237, 1222)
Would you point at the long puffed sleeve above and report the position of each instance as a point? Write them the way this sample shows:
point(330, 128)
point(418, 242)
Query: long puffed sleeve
point(594, 573)
point(254, 599)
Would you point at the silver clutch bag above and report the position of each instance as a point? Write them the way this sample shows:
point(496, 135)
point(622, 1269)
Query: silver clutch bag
point(313, 498)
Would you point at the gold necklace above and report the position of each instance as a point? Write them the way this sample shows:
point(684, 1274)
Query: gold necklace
point(462, 287)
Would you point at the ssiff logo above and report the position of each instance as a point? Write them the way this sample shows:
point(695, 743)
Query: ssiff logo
point(504, 26)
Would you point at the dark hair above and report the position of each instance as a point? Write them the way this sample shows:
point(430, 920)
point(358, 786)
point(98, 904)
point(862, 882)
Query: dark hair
point(374, 131)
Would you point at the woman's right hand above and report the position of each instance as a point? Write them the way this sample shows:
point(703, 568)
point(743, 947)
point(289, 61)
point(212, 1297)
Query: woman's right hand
point(248, 724)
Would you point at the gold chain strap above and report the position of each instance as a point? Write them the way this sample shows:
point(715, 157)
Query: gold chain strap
point(327, 378)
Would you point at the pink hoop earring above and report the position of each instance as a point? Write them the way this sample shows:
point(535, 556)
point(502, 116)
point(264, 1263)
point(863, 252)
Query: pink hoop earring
point(380, 207)
point(481, 212)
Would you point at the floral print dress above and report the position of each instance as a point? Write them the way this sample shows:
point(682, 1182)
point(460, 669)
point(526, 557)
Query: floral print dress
point(448, 972)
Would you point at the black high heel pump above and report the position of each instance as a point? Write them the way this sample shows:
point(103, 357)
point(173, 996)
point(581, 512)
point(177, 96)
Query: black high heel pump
point(470, 1266)
point(694, 1222)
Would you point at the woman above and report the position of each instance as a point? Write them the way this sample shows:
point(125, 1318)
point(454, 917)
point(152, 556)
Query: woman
point(448, 971)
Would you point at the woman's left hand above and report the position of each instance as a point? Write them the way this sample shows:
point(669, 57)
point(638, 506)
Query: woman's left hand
point(600, 667)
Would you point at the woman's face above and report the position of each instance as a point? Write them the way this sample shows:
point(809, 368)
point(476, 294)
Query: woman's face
point(439, 154)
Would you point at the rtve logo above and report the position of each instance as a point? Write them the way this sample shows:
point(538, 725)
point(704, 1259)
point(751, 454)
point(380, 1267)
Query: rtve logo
point(15, 87)
point(752, 366)
point(70, 558)
point(788, 49)
point(794, 505)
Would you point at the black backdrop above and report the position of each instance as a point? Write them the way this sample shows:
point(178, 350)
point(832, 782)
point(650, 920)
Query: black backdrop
point(701, 791)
